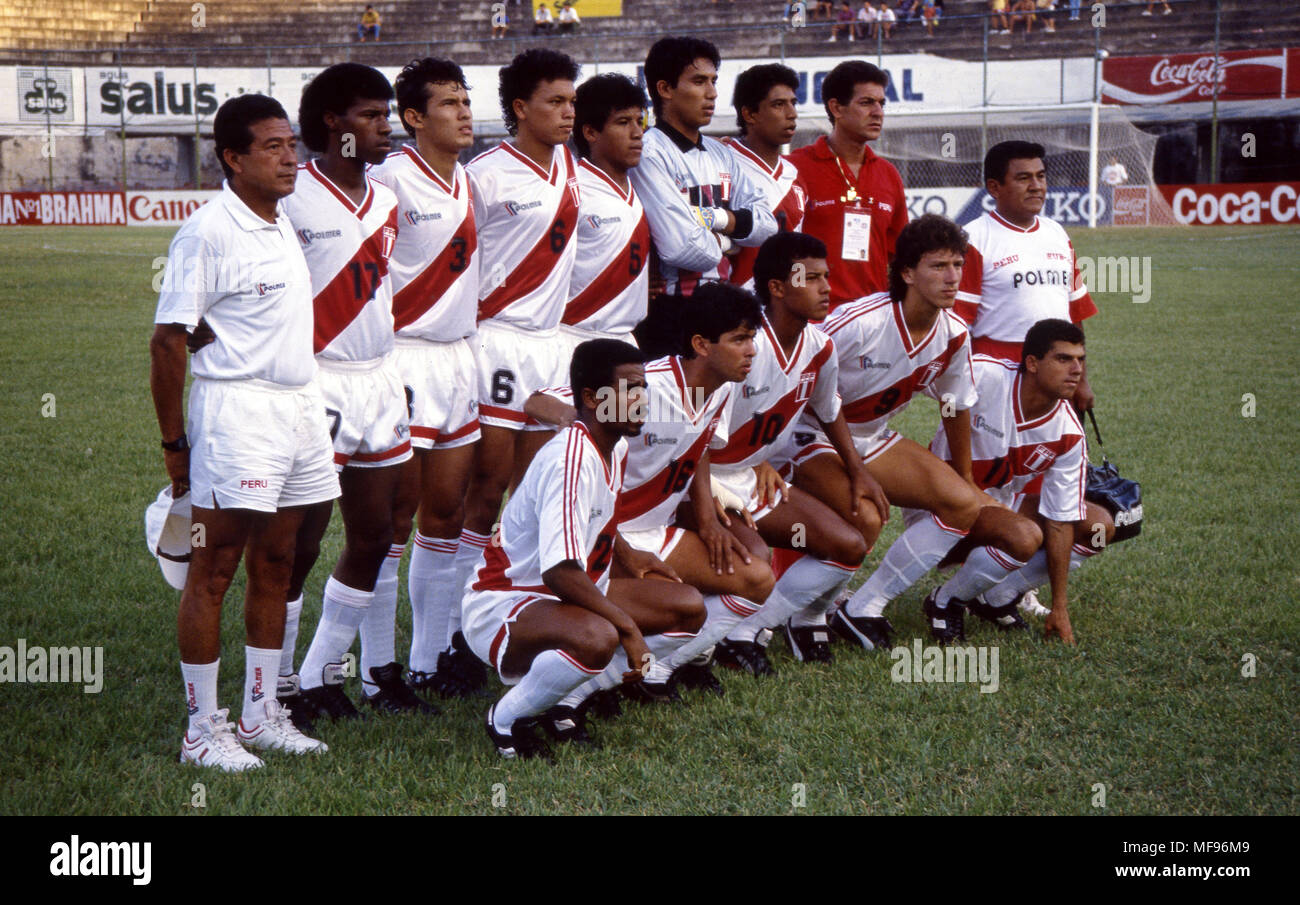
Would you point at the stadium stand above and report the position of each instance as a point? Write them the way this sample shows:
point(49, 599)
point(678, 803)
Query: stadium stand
point(306, 33)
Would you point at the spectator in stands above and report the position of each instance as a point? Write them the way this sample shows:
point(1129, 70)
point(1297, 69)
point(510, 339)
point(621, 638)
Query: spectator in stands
point(569, 21)
point(824, 9)
point(1023, 11)
point(908, 10)
point(843, 22)
point(1151, 3)
point(866, 21)
point(369, 25)
point(1074, 10)
point(1114, 172)
point(1045, 10)
point(543, 20)
point(998, 21)
point(885, 20)
point(500, 21)
point(930, 16)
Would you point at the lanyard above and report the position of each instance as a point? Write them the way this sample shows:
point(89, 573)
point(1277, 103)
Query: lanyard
point(850, 196)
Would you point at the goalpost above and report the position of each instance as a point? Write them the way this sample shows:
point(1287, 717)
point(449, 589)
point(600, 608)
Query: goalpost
point(944, 149)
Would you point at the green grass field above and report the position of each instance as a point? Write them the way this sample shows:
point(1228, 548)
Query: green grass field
point(1152, 703)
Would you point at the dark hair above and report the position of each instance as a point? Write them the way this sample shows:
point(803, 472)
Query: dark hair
point(927, 233)
point(233, 125)
point(599, 98)
point(1044, 334)
point(754, 83)
point(844, 79)
point(776, 257)
point(333, 91)
point(714, 309)
point(528, 70)
point(594, 362)
point(414, 80)
point(999, 157)
point(668, 59)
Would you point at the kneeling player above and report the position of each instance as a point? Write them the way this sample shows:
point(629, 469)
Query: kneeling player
point(542, 609)
point(1025, 429)
point(794, 370)
point(689, 398)
point(890, 346)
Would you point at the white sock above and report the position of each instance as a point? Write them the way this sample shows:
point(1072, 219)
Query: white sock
point(292, 615)
point(468, 554)
point(798, 590)
point(552, 675)
point(984, 567)
point(813, 615)
point(341, 612)
point(378, 629)
point(259, 683)
point(1031, 575)
point(725, 610)
point(200, 689)
point(917, 550)
point(660, 646)
point(432, 586)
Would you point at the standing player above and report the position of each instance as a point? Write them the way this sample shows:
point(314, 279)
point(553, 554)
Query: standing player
point(435, 276)
point(891, 346)
point(542, 609)
point(1025, 435)
point(794, 371)
point(261, 450)
point(699, 201)
point(611, 279)
point(1020, 266)
point(347, 224)
point(856, 203)
point(766, 116)
point(526, 197)
point(689, 398)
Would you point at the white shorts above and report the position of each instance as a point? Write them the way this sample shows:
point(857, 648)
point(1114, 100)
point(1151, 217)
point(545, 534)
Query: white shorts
point(808, 444)
point(369, 417)
point(512, 365)
point(743, 482)
point(486, 617)
point(259, 446)
point(659, 541)
point(572, 337)
point(443, 383)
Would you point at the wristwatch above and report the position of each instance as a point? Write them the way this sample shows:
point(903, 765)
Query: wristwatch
point(180, 444)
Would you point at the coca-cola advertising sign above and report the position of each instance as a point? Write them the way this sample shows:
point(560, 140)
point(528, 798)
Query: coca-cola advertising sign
point(1184, 78)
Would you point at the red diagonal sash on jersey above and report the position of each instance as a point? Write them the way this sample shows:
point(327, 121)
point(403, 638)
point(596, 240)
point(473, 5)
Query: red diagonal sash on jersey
point(423, 292)
point(640, 500)
point(538, 263)
point(611, 282)
point(863, 410)
point(789, 406)
point(1015, 464)
point(338, 304)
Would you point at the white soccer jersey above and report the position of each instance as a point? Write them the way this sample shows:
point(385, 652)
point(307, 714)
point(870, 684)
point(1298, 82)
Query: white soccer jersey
point(775, 393)
point(675, 175)
point(610, 286)
point(880, 369)
point(678, 430)
point(1014, 277)
point(347, 247)
point(526, 220)
point(247, 278)
point(564, 509)
point(1009, 451)
point(435, 265)
point(785, 200)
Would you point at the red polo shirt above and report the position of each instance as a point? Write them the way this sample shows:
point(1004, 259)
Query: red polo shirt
point(826, 180)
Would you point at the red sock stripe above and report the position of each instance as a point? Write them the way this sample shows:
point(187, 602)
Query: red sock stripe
point(437, 544)
point(576, 665)
point(472, 539)
point(737, 606)
point(686, 635)
point(1084, 551)
point(838, 565)
point(1003, 560)
point(948, 528)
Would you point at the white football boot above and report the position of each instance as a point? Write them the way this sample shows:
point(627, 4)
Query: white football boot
point(278, 733)
point(212, 743)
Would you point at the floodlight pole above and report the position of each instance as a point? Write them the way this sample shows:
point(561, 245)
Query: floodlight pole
point(49, 136)
point(1214, 103)
point(1092, 163)
point(198, 132)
